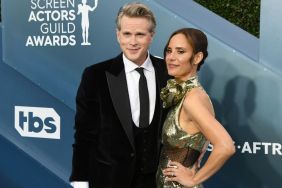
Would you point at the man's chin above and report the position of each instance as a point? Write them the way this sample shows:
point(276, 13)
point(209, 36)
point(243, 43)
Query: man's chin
point(134, 58)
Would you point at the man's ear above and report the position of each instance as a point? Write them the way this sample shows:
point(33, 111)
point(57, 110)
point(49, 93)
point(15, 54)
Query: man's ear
point(152, 35)
point(118, 35)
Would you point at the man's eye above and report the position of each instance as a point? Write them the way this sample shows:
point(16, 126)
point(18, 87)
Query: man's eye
point(126, 34)
point(140, 35)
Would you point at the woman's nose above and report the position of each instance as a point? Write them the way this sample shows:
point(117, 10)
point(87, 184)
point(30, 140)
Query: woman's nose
point(170, 56)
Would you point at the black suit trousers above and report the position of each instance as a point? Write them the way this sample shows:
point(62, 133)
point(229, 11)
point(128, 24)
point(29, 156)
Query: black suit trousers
point(144, 180)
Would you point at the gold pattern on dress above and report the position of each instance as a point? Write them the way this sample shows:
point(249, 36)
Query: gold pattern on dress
point(174, 91)
point(178, 145)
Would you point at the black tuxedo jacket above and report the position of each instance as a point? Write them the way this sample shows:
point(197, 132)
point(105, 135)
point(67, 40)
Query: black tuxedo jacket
point(104, 151)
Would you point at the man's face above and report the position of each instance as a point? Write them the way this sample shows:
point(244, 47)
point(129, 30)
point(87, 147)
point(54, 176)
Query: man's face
point(135, 38)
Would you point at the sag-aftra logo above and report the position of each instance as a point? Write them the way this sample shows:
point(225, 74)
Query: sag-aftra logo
point(37, 122)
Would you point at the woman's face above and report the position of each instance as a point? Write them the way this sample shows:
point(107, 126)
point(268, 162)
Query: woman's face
point(179, 58)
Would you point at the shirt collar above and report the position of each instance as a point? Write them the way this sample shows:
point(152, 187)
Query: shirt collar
point(131, 66)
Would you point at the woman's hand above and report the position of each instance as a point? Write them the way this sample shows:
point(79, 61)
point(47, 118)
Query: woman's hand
point(179, 173)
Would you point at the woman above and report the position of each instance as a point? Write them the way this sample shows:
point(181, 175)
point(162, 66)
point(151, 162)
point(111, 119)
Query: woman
point(190, 124)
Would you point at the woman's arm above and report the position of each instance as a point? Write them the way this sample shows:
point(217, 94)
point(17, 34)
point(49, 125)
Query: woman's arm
point(199, 110)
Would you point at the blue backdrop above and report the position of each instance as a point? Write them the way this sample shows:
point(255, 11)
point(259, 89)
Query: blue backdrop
point(43, 59)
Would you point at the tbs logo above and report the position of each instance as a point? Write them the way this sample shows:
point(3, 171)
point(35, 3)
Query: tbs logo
point(37, 122)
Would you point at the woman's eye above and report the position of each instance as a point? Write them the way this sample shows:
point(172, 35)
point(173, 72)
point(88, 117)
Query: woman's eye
point(168, 51)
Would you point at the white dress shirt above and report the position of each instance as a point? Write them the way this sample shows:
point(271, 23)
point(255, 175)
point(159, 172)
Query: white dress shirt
point(80, 184)
point(132, 79)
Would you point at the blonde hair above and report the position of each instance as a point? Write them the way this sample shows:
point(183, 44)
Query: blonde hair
point(136, 10)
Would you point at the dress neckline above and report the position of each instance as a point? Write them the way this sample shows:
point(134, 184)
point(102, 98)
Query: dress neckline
point(174, 91)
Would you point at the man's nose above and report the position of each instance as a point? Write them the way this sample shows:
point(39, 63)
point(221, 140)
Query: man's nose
point(133, 40)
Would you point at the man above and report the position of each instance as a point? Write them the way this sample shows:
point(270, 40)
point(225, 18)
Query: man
point(115, 144)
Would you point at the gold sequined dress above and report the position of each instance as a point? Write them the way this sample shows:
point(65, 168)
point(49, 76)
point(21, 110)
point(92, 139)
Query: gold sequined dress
point(178, 145)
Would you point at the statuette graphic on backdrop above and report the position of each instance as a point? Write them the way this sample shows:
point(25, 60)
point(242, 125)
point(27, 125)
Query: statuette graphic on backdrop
point(84, 9)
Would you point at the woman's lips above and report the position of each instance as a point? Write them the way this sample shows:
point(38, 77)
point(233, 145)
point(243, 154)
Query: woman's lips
point(171, 66)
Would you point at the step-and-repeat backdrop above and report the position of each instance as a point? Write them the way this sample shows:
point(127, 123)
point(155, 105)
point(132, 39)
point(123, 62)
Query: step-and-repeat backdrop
point(49, 42)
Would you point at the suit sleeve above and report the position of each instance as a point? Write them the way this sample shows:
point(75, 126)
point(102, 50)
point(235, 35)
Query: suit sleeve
point(86, 128)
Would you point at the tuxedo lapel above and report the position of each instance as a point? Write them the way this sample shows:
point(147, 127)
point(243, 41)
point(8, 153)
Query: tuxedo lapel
point(160, 79)
point(119, 94)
